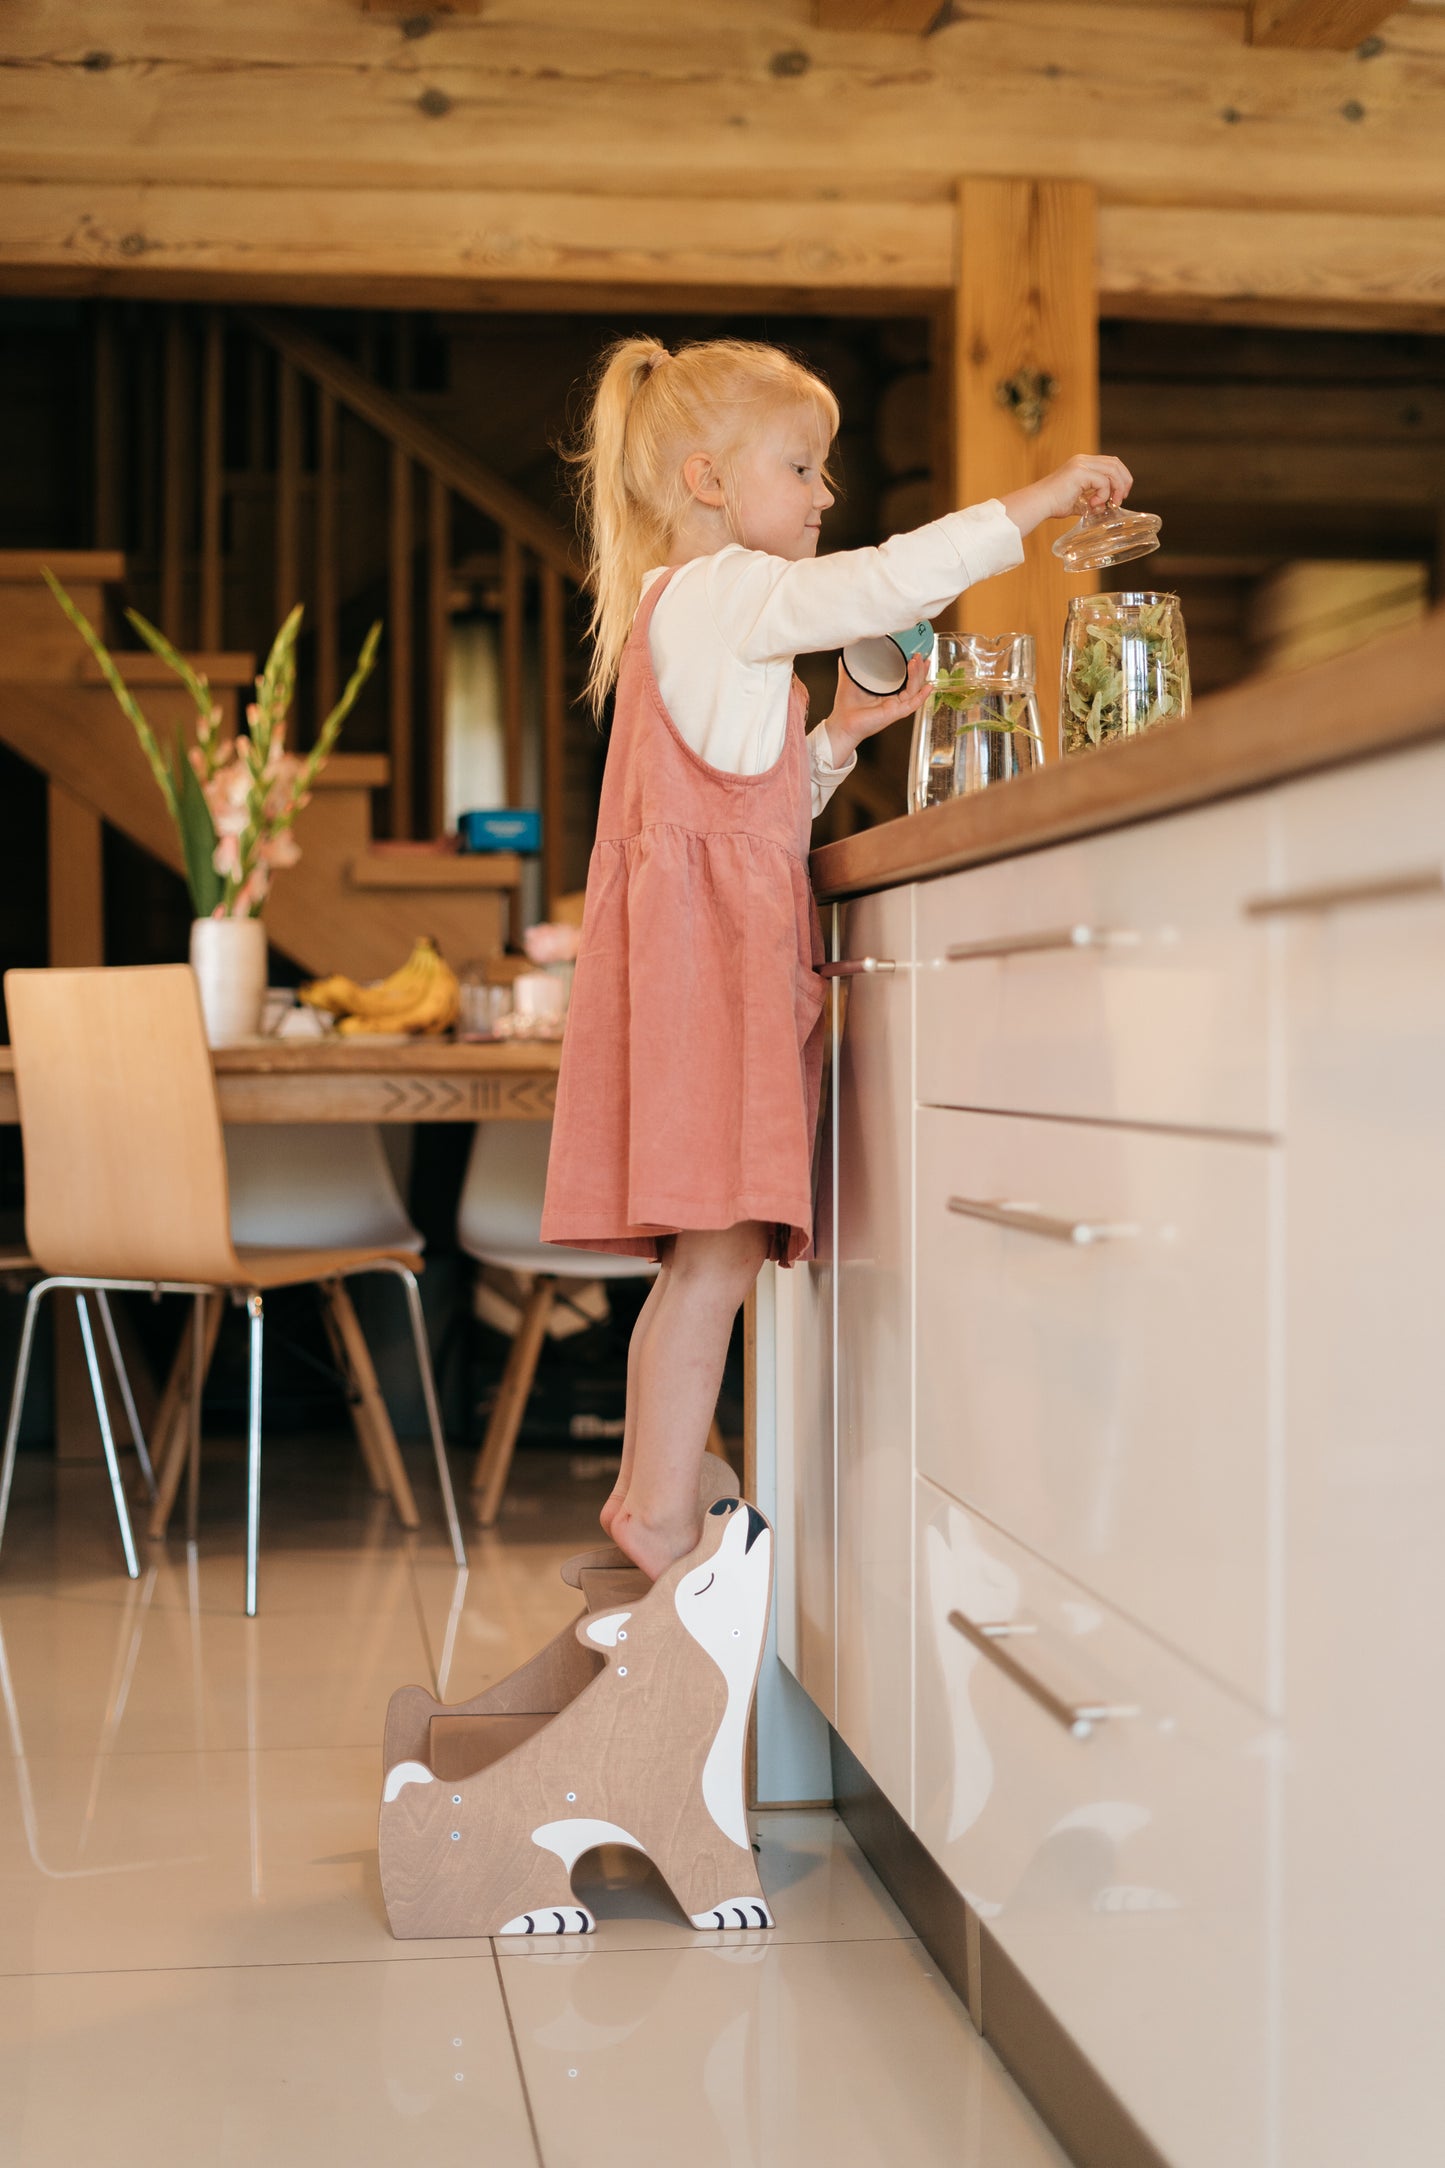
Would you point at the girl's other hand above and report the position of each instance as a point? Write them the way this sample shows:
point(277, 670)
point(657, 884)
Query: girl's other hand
point(857, 715)
point(1089, 481)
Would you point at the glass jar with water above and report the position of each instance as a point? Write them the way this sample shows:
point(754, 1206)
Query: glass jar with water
point(980, 723)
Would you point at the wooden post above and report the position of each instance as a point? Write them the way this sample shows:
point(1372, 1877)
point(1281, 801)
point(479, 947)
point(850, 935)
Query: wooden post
point(174, 434)
point(1025, 306)
point(325, 555)
point(514, 592)
point(398, 633)
point(288, 487)
point(438, 638)
point(554, 729)
point(109, 435)
point(77, 938)
point(212, 481)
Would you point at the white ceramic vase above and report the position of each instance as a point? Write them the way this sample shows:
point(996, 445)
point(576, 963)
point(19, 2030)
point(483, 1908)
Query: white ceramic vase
point(228, 956)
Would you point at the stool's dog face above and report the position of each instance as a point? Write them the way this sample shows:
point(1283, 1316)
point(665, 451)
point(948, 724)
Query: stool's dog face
point(723, 1602)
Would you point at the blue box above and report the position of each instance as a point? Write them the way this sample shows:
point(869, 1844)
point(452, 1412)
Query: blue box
point(506, 828)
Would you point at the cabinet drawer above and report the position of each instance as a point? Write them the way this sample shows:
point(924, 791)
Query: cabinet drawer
point(1152, 1006)
point(1107, 1401)
point(1123, 1868)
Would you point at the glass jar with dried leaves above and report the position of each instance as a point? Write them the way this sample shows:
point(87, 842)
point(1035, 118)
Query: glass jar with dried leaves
point(1125, 667)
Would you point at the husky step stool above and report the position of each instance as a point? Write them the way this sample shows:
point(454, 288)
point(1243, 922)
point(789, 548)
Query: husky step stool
point(629, 1728)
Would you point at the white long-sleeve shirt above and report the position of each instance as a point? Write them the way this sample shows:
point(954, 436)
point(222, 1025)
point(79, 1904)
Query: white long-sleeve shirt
point(724, 636)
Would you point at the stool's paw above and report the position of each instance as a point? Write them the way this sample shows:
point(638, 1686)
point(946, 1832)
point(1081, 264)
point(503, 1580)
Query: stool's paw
point(737, 1912)
point(552, 1920)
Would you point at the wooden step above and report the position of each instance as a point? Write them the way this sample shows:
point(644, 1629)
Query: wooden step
point(440, 869)
point(97, 567)
point(355, 771)
point(138, 666)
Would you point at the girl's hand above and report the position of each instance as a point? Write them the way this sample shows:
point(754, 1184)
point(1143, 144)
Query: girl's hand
point(857, 715)
point(1088, 481)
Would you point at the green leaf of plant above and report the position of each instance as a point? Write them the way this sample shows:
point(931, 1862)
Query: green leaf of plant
point(198, 836)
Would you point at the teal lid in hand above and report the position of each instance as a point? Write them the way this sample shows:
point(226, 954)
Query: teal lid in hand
point(880, 665)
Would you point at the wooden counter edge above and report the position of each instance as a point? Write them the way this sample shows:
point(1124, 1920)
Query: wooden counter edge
point(1378, 699)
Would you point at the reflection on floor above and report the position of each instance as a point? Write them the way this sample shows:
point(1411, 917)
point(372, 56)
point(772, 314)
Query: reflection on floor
point(194, 1961)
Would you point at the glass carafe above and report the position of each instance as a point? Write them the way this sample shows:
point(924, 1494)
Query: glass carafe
point(1125, 668)
point(980, 723)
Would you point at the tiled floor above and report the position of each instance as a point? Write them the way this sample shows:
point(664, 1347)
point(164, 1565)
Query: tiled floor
point(194, 1961)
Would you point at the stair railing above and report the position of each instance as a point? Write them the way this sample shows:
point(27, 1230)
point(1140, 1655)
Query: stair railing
point(190, 498)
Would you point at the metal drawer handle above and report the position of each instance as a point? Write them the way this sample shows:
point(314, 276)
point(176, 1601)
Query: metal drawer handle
point(1428, 882)
point(1033, 944)
point(849, 970)
point(1077, 1717)
point(1028, 1221)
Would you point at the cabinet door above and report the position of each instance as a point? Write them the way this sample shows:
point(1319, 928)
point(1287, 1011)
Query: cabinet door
point(1364, 1634)
point(875, 1399)
point(805, 1415)
point(1105, 1810)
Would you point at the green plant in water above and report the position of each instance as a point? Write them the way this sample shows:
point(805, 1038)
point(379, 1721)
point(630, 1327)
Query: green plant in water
point(1104, 698)
point(234, 801)
point(957, 692)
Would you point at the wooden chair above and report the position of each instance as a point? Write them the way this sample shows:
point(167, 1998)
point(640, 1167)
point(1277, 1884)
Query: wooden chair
point(498, 1223)
point(126, 1187)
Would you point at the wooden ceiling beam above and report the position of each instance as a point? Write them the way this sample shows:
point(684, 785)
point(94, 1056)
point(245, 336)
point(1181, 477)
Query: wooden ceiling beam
point(1317, 25)
point(908, 16)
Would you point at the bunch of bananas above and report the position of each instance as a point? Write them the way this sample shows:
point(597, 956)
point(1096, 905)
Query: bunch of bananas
point(422, 996)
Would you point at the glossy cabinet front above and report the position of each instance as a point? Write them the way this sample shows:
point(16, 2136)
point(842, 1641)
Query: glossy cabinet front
point(1121, 1860)
point(1095, 1359)
point(1360, 946)
point(1113, 979)
point(875, 1345)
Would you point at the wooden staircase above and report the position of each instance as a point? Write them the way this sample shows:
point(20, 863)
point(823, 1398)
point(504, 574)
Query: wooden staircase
point(345, 907)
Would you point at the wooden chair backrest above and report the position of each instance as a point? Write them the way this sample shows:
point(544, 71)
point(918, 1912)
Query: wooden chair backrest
point(125, 1169)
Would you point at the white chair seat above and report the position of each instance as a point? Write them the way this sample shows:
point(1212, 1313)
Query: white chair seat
point(327, 1187)
point(500, 1216)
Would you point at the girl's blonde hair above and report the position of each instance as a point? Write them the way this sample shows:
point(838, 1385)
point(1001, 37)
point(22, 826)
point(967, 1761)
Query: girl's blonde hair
point(650, 410)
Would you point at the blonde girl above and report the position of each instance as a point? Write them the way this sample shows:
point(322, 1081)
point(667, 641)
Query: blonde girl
point(688, 1092)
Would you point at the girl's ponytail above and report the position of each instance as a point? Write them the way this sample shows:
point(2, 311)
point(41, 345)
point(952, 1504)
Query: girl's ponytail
point(649, 410)
point(624, 536)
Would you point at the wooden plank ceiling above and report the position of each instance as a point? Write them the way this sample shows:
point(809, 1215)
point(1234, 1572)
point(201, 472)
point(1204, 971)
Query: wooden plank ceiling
point(730, 147)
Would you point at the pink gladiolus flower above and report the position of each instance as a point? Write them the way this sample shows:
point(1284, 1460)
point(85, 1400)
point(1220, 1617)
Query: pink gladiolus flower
point(226, 857)
point(252, 891)
point(278, 851)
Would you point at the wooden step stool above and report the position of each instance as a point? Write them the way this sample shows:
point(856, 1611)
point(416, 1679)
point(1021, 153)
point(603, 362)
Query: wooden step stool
point(629, 1728)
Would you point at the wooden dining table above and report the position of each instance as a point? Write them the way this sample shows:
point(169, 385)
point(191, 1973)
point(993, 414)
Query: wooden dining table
point(353, 1080)
point(324, 1081)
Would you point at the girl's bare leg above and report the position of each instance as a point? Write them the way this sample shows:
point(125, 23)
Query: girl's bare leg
point(679, 1371)
point(645, 1317)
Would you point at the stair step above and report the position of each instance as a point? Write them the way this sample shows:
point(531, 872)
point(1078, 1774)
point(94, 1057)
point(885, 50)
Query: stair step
point(355, 771)
point(99, 567)
point(440, 869)
point(141, 667)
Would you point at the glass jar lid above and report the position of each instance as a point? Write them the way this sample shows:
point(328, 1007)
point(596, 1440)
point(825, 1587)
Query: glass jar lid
point(1108, 535)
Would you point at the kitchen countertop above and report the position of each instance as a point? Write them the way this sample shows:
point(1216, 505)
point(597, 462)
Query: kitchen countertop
point(1386, 696)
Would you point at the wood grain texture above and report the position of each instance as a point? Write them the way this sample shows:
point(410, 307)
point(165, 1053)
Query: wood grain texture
point(1317, 25)
point(1380, 699)
point(1025, 301)
point(908, 17)
point(487, 1847)
point(75, 908)
point(751, 98)
point(449, 869)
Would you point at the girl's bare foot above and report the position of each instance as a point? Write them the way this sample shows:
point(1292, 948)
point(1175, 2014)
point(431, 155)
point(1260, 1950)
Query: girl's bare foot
point(653, 1546)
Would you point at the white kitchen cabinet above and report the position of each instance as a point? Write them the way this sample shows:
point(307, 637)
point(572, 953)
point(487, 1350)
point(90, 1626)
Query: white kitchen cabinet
point(1121, 1860)
point(1160, 1015)
point(874, 1361)
point(804, 1306)
point(1363, 1914)
point(1108, 1399)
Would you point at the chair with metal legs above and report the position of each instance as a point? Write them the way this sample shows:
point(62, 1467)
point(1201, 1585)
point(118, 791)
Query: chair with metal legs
point(18, 1267)
point(126, 1186)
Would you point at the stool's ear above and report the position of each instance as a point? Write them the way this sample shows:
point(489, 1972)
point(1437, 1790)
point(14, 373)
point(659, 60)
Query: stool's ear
point(603, 1632)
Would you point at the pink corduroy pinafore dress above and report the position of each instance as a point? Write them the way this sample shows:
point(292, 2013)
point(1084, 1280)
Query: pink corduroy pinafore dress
point(688, 1092)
